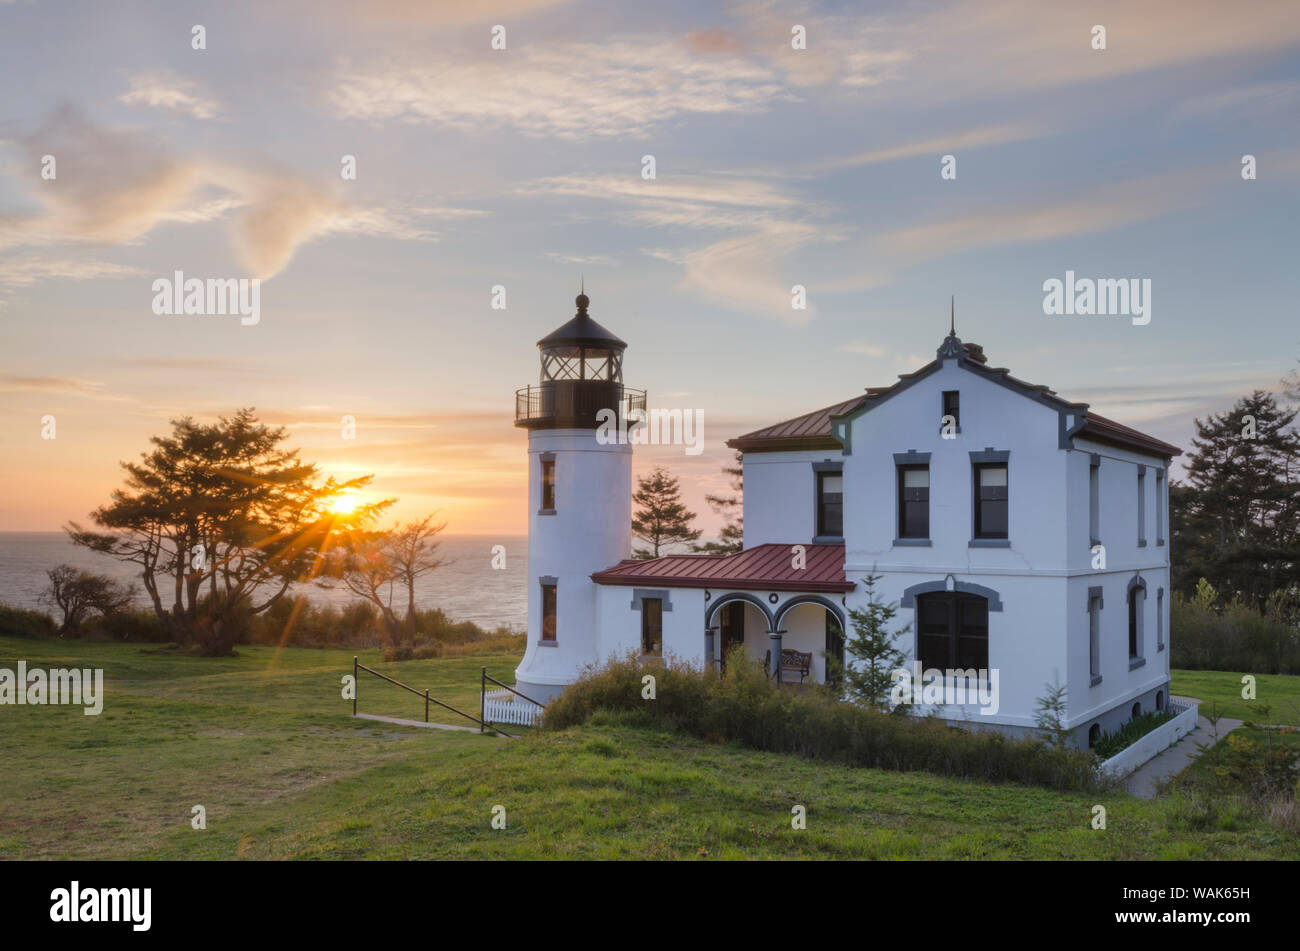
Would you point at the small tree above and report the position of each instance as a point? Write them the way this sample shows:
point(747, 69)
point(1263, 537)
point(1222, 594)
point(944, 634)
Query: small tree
point(412, 549)
point(79, 594)
point(732, 509)
point(1049, 715)
point(867, 677)
point(660, 519)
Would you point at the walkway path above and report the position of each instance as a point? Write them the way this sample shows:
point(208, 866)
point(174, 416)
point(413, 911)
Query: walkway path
point(420, 723)
point(1144, 782)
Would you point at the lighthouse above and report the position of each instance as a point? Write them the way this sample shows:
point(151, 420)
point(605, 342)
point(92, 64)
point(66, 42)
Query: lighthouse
point(579, 496)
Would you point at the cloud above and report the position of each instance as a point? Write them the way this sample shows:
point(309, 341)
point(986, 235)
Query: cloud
point(115, 186)
point(937, 145)
point(166, 90)
point(25, 270)
point(750, 274)
point(624, 87)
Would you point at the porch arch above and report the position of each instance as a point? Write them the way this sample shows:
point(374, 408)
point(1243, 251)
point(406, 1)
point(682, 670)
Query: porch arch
point(730, 596)
point(794, 602)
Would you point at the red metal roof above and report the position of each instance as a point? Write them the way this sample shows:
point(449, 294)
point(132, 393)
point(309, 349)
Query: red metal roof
point(810, 431)
point(761, 568)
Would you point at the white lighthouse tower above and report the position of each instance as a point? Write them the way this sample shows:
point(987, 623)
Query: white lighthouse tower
point(579, 497)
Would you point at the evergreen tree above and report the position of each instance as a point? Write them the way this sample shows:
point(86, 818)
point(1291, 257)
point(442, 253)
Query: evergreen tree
point(1234, 518)
point(732, 509)
point(660, 519)
point(873, 656)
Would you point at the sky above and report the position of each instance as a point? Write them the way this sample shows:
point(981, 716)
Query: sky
point(523, 168)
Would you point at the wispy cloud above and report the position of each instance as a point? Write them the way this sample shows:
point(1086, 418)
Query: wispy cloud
point(624, 87)
point(166, 90)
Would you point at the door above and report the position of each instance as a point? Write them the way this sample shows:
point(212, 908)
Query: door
point(731, 629)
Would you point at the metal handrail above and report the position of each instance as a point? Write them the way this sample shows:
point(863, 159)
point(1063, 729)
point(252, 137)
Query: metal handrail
point(358, 666)
point(482, 697)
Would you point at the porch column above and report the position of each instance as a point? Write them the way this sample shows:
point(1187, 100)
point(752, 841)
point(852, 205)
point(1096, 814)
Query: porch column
point(710, 660)
point(774, 640)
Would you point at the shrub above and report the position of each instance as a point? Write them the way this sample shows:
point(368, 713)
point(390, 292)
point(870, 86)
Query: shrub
point(1111, 743)
point(19, 622)
point(1236, 638)
point(140, 625)
point(743, 706)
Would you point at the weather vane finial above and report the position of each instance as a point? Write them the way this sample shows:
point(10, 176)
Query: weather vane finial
point(952, 326)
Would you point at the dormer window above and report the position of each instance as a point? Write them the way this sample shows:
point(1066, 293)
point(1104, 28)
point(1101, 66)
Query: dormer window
point(952, 407)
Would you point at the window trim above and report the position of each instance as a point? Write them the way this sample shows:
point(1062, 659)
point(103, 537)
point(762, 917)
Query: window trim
point(1142, 505)
point(943, 408)
point(553, 583)
point(990, 458)
point(1095, 597)
point(1094, 499)
point(547, 460)
point(645, 619)
point(1160, 508)
point(954, 599)
point(820, 471)
point(900, 472)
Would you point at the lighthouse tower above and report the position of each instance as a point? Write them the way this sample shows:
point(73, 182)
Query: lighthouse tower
point(579, 496)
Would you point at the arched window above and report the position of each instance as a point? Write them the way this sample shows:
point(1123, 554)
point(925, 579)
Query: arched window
point(1094, 734)
point(952, 631)
point(1137, 709)
point(1160, 699)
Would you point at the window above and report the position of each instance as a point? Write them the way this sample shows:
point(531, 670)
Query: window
point(652, 626)
point(1134, 624)
point(952, 631)
point(1160, 507)
point(913, 501)
point(830, 504)
point(1142, 506)
point(1094, 634)
point(548, 485)
point(1094, 734)
point(1160, 619)
point(1160, 699)
point(952, 406)
point(548, 612)
point(991, 500)
point(1094, 500)
point(1137, 710)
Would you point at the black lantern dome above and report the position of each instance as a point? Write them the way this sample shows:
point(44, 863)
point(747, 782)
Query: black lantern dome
point(581, 374)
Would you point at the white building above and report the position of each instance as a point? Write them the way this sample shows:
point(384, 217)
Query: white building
point(1022, 535)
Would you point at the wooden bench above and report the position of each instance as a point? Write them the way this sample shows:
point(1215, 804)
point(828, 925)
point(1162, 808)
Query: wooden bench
point(794, 661)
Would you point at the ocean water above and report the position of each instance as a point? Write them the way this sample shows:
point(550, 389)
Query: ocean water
point(468, 588)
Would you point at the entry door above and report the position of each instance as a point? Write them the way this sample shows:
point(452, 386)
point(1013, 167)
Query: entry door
point(732, 629)
point(834, 646)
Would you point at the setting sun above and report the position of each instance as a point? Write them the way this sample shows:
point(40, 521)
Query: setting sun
point(345, 503)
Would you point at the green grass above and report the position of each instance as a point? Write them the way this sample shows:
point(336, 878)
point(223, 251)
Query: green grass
point(1279, 691)
point(265, 743)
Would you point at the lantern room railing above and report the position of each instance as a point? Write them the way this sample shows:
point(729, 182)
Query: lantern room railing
point(564, 404)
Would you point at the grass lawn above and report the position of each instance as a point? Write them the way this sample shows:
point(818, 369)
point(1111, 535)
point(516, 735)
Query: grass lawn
point(265, 743)
point(1280, 692)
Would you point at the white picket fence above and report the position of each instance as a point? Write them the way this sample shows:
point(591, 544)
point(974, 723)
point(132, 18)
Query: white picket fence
point(502, 706)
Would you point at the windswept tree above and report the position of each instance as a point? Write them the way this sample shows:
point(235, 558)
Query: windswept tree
point(221, 520)
point(660, 519)
point(377, 565)
point(1234, 517)
point(79, 595)
point(732, 508)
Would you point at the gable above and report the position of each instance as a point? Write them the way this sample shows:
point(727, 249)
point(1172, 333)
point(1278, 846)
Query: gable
point(830, 428)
